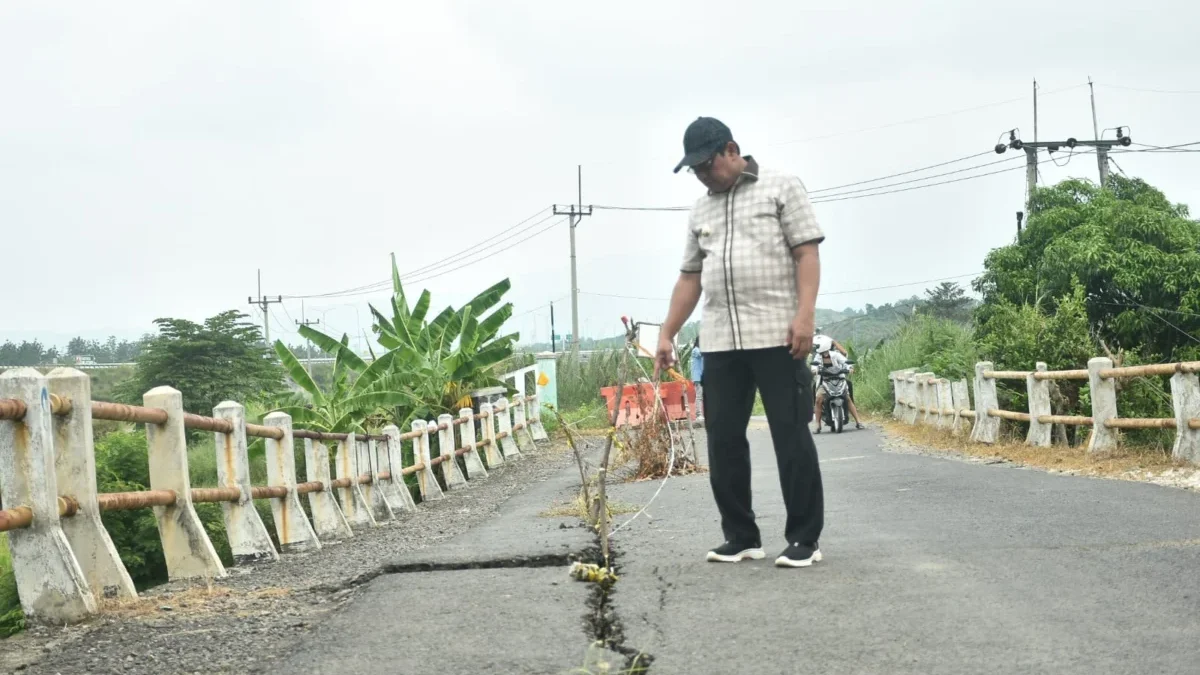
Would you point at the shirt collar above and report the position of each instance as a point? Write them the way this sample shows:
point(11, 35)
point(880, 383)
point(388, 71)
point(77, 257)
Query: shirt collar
point(749, 174)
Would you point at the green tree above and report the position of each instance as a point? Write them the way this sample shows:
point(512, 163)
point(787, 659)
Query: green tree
point(947, 300)
point(1135, 255)
point(222, 359)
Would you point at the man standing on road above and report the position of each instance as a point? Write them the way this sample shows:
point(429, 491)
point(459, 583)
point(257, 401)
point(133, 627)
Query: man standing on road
point(752, 249)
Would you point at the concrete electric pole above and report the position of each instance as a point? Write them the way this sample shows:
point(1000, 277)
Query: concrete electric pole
point(263, 302)
point(1031, 158)
point(305, 322)
point(576, 212)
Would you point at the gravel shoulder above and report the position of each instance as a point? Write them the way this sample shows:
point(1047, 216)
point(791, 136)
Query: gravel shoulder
point(260, 613)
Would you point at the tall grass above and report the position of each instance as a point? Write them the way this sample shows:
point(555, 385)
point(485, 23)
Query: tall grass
point(936, 345)
point(11, 619)
point(580, 380)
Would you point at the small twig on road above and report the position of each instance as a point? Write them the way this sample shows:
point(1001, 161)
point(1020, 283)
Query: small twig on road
point(603, 474)
point(587, 499)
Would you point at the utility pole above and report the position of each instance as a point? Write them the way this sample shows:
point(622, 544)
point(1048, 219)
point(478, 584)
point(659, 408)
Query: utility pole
point(553, 345)
point(1031, 162)
point(1102, 147)
point(1035, 110)
point(1101, 152)
point(305, 322)
point(576, 212)
point(263, 302)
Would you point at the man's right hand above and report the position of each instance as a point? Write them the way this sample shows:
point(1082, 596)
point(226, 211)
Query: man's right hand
point(664, 355)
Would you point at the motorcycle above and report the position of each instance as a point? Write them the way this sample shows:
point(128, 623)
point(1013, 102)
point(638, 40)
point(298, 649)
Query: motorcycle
point(836, 411)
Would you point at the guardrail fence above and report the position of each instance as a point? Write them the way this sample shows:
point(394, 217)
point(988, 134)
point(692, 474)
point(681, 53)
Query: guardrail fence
point(63, 558)
point(925, 398)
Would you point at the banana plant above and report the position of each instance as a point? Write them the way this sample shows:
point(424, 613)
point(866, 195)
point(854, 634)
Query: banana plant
point(349, 403)
point(458, 349)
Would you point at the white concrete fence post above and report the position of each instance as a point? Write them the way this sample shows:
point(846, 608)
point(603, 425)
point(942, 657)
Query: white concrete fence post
point(987, 428)
point(372, 491)
point(521, 426)
point(535, 418)
point(960, 394)
point(451, 472)
point(395, 453)
point(328, 521)
point(248, 537)
point(467, 433)
point(1185, 397)
point(1104, 406)
point(354, 503)
point(1039, 404)
point(897, 396)
point(490, 447)
point(945, 403)
point(75, 468)
point(426, 478)
point(505, 431)
point(51, 585)
point(292, 528)
point(911, 395)
point(186, 546)
point(927, 396)
point(382, 461)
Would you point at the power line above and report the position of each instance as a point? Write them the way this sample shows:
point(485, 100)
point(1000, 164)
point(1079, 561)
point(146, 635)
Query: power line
point(911, 283)
point(839, 198)
point(540, 307)
point(379, 285)
point(1150, 91)
point(1137, 305)
point(1169, 148)
point(923, 118)
point(510, 232)
point(490, 253)
point(913, 180)
point(853, 194)
point(905, 173)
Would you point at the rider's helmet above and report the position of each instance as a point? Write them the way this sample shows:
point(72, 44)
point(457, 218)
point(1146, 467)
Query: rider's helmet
point(822, 344)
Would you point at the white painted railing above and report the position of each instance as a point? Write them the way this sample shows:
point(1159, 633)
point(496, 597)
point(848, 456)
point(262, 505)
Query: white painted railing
point(926, 398)
point(63, 558)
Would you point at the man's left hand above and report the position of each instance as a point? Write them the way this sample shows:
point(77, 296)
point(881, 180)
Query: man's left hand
point(800, 335)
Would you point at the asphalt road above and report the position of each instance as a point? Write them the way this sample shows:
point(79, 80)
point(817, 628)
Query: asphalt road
point(931, 566)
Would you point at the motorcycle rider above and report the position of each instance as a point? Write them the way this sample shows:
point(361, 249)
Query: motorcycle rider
point(822, 342)
point(833, 362)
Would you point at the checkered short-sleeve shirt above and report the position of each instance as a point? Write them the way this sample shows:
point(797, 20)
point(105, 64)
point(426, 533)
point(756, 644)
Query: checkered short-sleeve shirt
point(741, 243)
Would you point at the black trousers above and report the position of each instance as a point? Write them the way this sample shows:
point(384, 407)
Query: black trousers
point(730, 379)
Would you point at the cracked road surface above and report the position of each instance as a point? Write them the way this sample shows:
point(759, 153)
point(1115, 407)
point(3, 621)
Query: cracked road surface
point(932, 565)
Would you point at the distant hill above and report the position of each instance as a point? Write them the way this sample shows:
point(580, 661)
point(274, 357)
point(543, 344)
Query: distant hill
point(865, 329)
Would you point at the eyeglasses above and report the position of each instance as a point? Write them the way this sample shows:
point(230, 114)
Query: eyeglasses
point(705, 166)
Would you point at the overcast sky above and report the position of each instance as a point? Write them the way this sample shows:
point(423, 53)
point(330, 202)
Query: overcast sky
point(154, 155)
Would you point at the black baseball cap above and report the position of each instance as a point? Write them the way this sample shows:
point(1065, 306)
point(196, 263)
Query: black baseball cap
point(703, 139)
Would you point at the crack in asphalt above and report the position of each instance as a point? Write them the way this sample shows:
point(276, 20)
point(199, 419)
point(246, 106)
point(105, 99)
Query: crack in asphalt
point(604, 625)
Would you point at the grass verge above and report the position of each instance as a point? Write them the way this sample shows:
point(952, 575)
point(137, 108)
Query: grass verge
point(1125, 462)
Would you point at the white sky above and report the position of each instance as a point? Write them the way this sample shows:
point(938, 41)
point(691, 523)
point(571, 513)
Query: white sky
point(154, 155)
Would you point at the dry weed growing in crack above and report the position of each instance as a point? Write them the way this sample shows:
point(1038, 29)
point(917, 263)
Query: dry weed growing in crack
point(648, 449)
point(578, 508)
